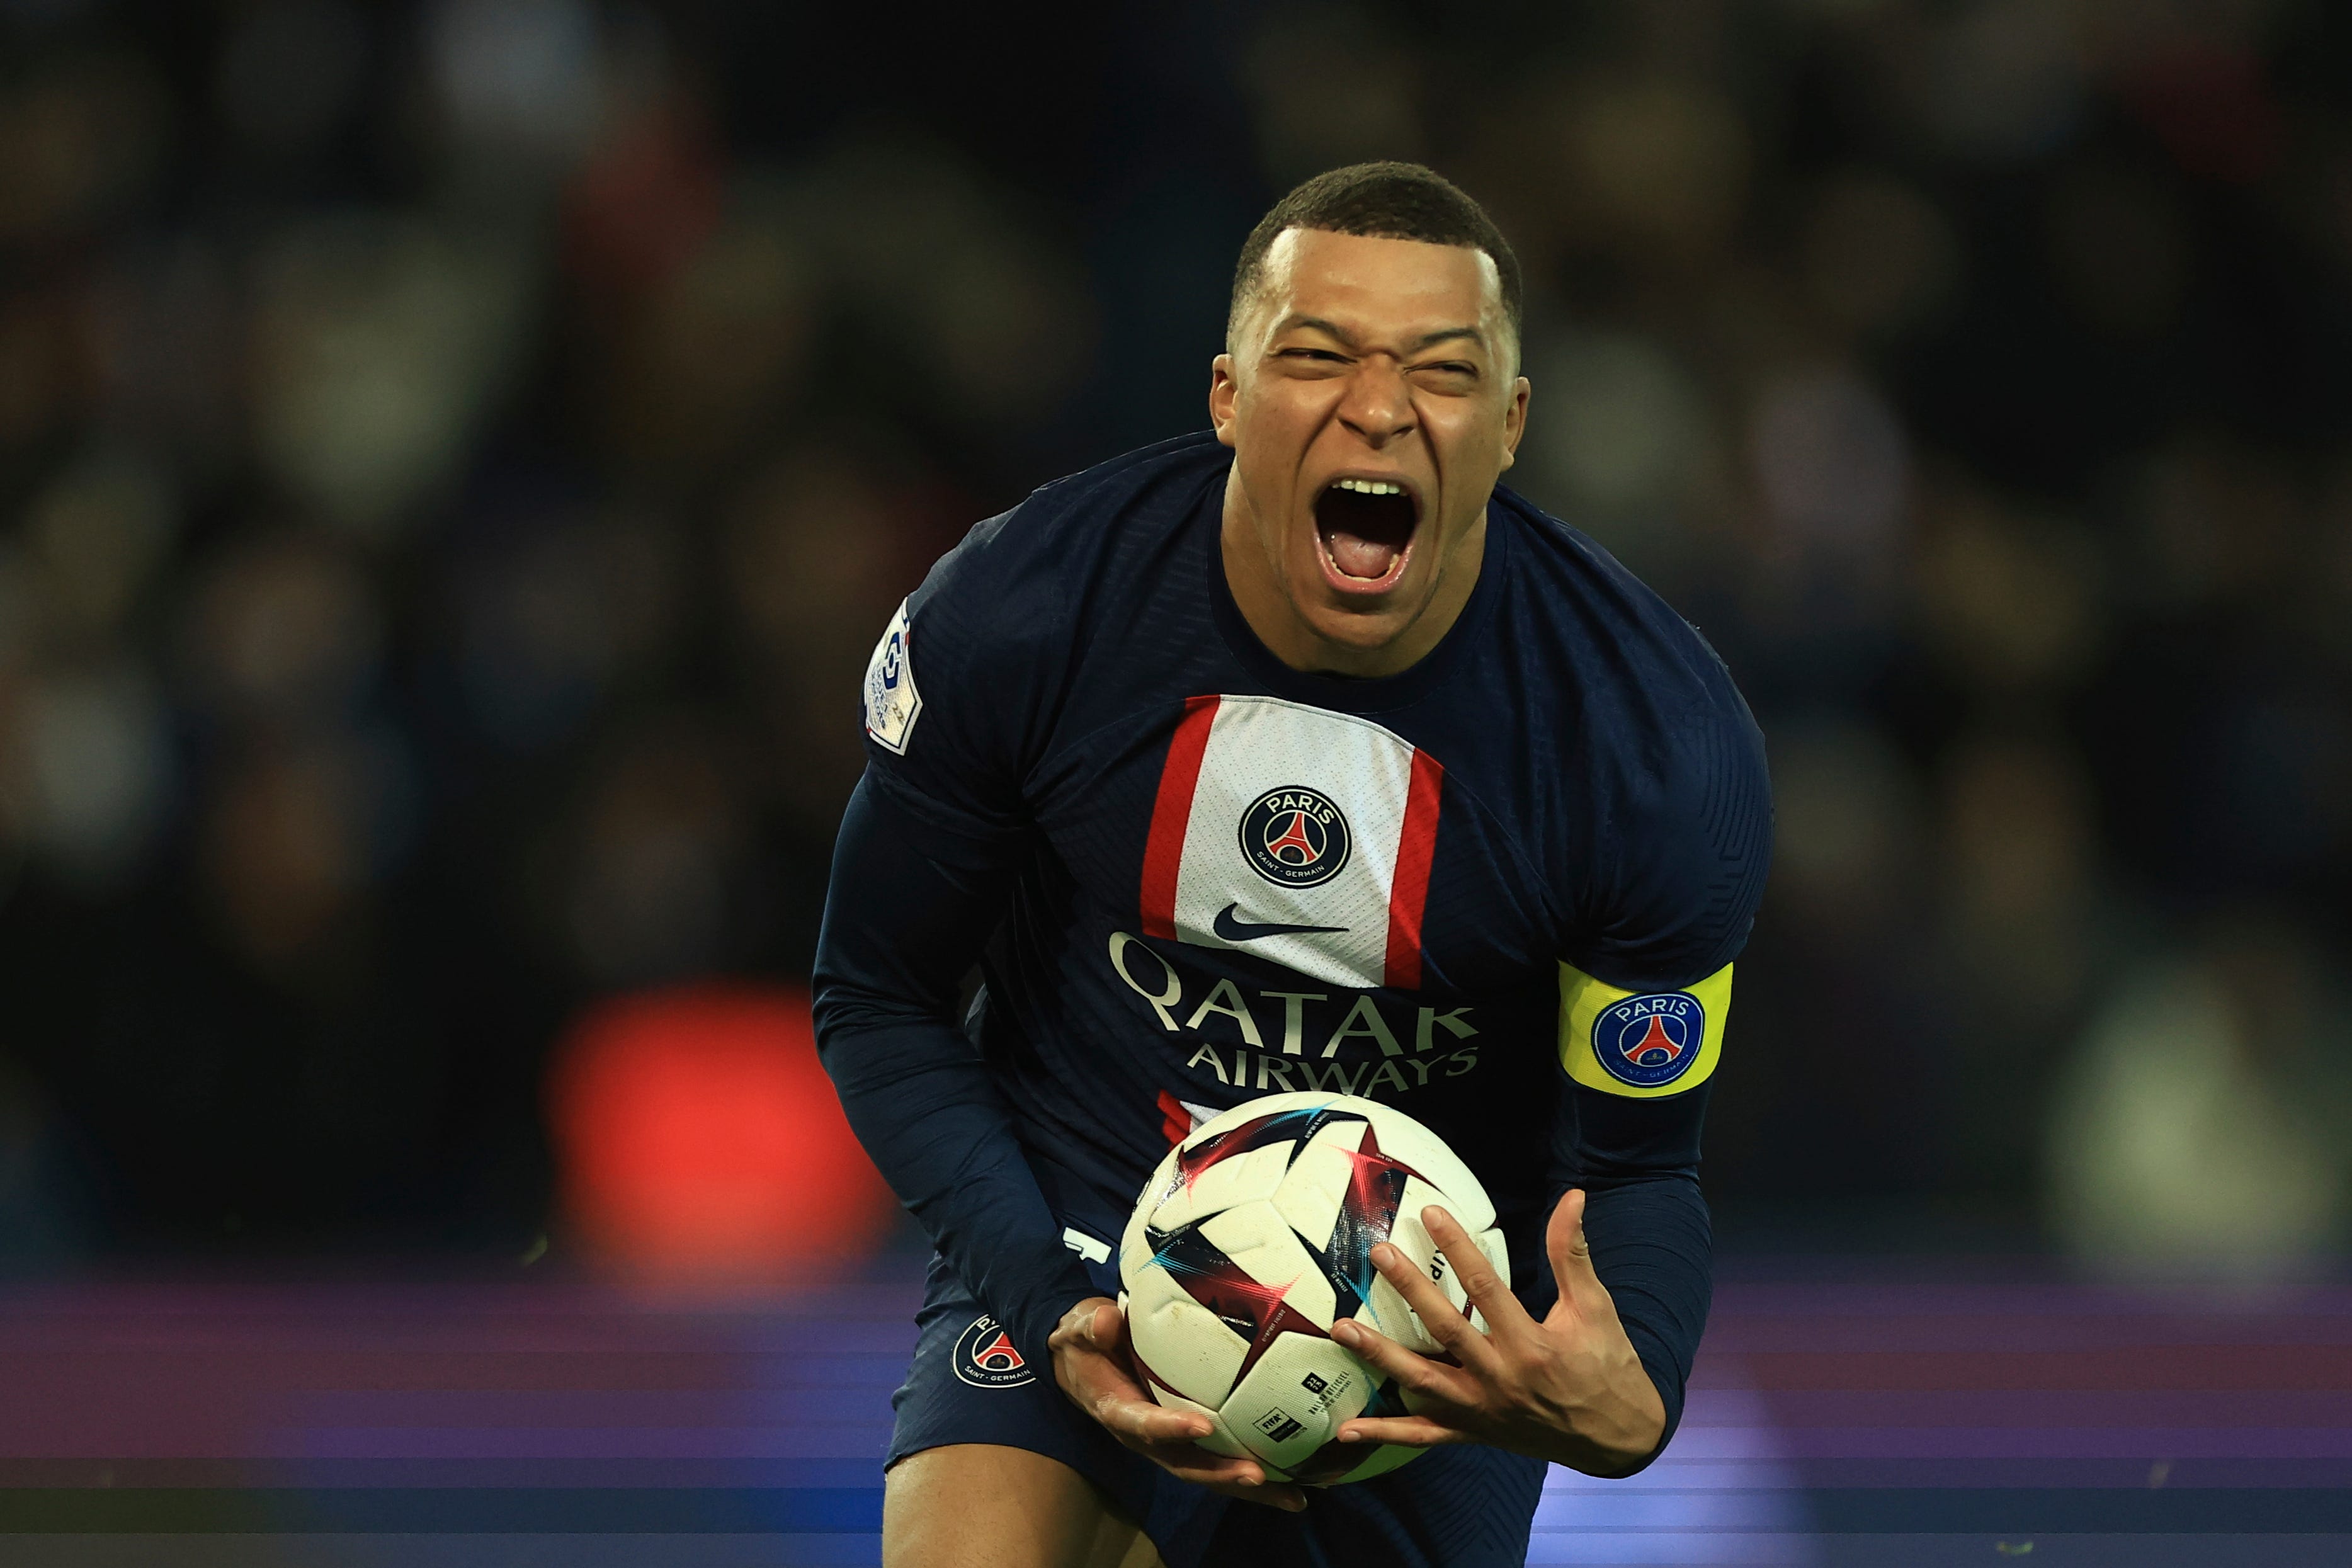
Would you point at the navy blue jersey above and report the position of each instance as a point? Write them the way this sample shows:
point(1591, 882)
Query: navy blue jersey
point(1501, 890)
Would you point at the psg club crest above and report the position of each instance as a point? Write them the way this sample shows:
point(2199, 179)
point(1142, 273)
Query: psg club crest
point(1651, 1040)
point(1295, 836)
point(984, 1356)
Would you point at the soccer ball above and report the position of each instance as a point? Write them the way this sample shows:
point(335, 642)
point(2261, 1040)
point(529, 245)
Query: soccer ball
point(1254, 1237)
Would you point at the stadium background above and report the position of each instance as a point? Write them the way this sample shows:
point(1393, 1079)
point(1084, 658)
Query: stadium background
point(455, 460)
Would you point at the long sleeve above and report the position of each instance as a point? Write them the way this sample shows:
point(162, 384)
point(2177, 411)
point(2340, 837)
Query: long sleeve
point(1646, 1223)
point(910, 906)
point(1645, 998)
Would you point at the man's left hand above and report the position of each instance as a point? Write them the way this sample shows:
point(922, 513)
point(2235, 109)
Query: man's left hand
point(1569, 1389)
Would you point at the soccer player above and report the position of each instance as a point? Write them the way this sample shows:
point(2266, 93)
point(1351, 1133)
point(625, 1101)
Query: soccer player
point(1294, 755)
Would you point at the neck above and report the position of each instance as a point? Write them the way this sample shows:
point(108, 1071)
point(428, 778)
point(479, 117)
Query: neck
point(1255, 574)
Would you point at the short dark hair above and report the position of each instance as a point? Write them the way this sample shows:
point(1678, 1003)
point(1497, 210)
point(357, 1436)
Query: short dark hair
point(1379, 201)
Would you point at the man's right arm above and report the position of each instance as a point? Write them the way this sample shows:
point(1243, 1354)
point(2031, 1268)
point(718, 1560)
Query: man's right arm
point(910, 906)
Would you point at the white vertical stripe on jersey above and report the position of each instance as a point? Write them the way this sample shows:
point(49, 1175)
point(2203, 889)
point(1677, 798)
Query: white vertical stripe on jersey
point(1261, 743)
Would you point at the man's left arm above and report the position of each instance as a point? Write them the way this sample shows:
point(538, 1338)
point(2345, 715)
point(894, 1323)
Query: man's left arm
point(1598, 1382)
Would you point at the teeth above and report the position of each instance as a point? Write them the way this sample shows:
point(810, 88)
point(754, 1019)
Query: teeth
point(1372, 487)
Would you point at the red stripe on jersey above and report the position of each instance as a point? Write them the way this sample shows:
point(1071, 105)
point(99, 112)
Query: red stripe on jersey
point(1416, 846)
point(1163, 852)
point(1175, 1122)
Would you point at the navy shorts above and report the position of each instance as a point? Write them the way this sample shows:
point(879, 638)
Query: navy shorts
point(1458, 1507)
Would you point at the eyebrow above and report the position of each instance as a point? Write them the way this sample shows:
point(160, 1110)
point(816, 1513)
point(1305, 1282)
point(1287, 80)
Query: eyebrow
point(1442, 334)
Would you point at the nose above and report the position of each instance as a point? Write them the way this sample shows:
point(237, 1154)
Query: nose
point(1378, 406)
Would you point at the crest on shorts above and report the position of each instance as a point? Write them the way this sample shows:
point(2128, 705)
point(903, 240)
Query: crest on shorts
point(984, 1356)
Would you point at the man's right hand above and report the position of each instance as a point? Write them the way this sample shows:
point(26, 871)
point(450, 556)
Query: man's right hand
point(1091, 1363)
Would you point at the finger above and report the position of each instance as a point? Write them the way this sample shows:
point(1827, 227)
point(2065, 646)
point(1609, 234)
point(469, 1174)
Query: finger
point(1480, 1281)
point(1110, 1370)
point(1194, 1463)
point(1443, 1321)
point(1086, 1329)
point(1107, 1332)
point(1405, 1431)
point(1148, 1423)
point(1095, 1379)
point(1078, 1322)
point(1107, 1328)
point(1571, 1259)
point(1429, 1379)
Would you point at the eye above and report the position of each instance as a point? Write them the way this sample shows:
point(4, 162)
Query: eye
point(1449, 376)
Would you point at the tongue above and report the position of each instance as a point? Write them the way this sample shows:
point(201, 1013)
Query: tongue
point(1359, 557)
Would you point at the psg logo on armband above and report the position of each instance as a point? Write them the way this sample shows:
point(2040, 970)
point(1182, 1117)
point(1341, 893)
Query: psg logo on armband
point(1295, 836)
point(984, 1356)
point(1650, 1041)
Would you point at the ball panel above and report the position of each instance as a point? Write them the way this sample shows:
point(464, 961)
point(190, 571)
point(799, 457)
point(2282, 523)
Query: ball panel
point(1337, 1463)
point(1390, 1313)
point(1261, 1244)
point(1490, 1242)
point(1409, 1142)
point(1308, 1199)
point(1264, 1104)
point(1340, 1136)
point(1249, 1176)
point(1185, 1344)
point(1220, 1439)
point(1291, 1403)
point(1253, 1233)
point(1131, 1248)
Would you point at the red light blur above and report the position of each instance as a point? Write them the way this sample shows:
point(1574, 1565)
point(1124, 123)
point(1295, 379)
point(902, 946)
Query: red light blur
point(697, 1136)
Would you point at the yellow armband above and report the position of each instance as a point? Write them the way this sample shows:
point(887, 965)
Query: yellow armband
point(1642, 1044)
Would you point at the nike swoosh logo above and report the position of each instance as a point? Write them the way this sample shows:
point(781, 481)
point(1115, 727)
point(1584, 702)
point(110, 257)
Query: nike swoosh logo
point(1232, 929)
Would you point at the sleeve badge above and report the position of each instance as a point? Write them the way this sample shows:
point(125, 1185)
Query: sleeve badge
point(892, 703)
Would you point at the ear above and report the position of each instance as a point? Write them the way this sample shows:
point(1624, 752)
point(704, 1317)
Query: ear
point(1224, 392)
point(1515, 420)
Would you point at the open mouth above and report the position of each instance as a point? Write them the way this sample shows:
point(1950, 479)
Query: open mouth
point(1366, 526)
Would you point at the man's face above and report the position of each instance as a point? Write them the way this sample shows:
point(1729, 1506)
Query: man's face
point(1370, 396)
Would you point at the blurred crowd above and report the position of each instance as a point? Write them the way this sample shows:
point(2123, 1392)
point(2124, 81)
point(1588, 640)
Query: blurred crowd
point(455, 460)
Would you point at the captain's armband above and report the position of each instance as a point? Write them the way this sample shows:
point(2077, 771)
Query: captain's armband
point(1642, 1044)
